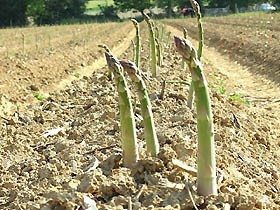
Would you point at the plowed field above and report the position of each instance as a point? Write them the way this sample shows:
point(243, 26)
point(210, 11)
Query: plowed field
point(251, 40)
point(65, 150)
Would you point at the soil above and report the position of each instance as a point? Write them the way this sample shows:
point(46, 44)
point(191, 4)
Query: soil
point(251, 40)
point(65, 151)
point(46, 65)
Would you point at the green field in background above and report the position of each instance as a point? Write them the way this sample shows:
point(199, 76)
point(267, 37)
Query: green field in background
point(93, 4)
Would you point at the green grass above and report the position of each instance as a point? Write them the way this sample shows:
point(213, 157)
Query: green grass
point(40, 96)
point(93, 4)
point(239, 98)
point(221, 89)
point(77, 75)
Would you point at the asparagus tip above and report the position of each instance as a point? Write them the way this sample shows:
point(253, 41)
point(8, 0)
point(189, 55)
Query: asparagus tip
point(146, 17)
point(185, 48)
point(134, 22)
point(130, 67)
point(105, 47)
point(112, 61)
point(185, 32)
point(196, 7)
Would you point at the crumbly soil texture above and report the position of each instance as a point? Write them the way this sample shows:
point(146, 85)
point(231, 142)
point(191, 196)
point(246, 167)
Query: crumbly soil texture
point(64, 152)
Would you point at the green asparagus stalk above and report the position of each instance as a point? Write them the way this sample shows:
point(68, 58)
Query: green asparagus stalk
point(106, 48)
point(134, 50)
point(168, 39)
point(23, 43)
point(128, 126)
point(146, 107)
point(206, 162)
point(185, 32)
point(162, 32)
point(138, 42)
point(159, 54)
point(153, 56)
point(156, 32)
point(190, 100)
point(185, 37)
point(197, 11)
point(191, 90)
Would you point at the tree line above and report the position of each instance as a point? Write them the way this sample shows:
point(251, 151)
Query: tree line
point(15, 12)
point(168, 4)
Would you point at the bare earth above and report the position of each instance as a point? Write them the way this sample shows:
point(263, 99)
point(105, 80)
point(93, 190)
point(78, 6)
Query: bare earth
point(41, 170)
point(52, 56)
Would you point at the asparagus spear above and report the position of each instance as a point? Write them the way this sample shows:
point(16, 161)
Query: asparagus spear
point(191, 90)
point(106, 48)
point(162, 32)
point(156, 32)
point(153, 56)
point(138, 42)
point(134, 50)
point(146, 108)
point(197, 11)
point(185, 37)
point(128, 126)
point(206, 162)
point(159, 53)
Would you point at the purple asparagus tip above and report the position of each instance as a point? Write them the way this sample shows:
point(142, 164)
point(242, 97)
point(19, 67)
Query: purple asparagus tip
point(129, 66)
point(112, 61)
point(185, 48)
point(178, 42)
